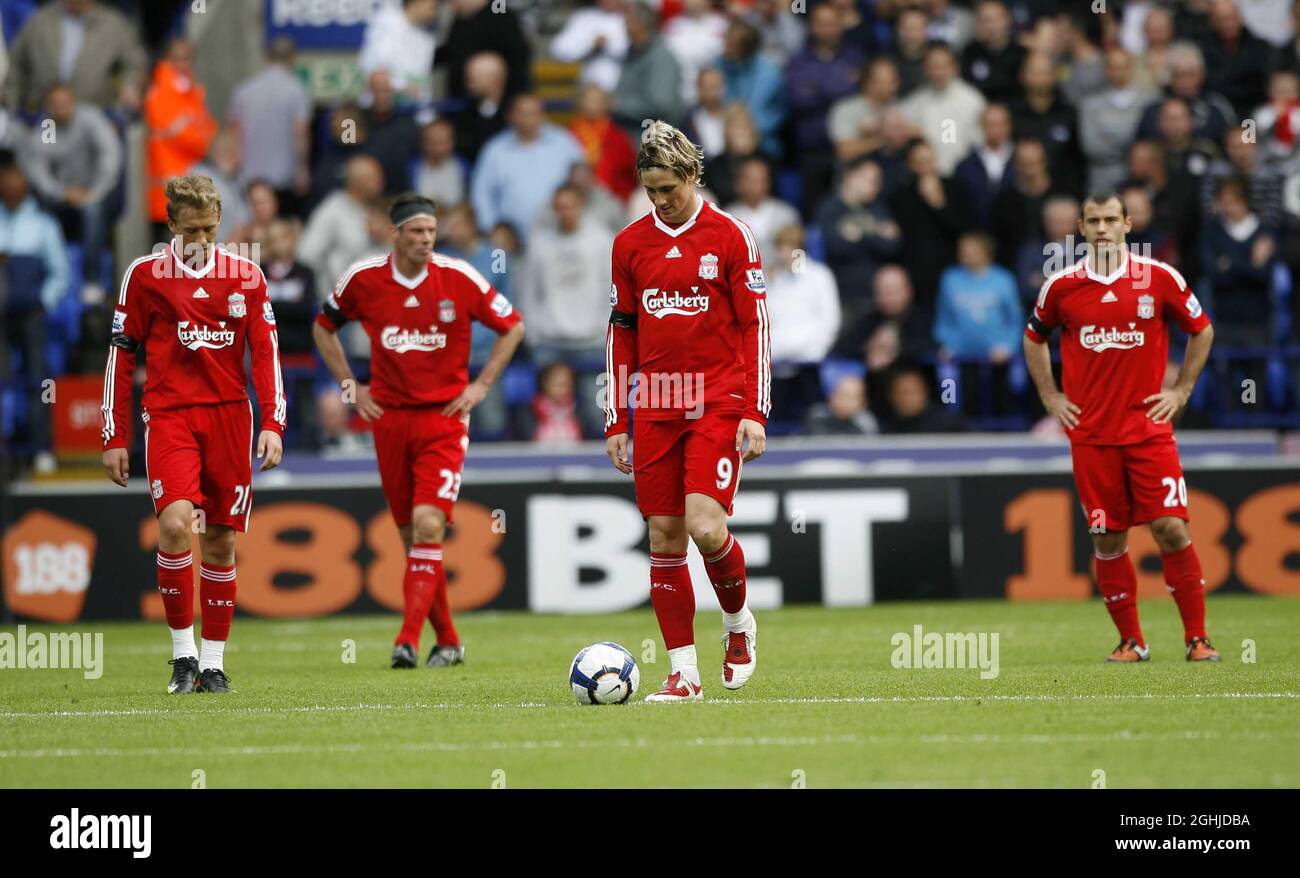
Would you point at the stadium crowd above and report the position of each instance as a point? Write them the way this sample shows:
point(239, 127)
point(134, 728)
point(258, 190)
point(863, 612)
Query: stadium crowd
point(911, 168)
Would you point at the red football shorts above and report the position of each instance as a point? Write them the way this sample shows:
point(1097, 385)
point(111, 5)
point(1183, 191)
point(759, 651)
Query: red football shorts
point(1125, 485)
point(204, 454)
point(671, 459)
point(421, 455)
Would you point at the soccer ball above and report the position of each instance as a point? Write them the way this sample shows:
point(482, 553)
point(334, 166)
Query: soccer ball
point(604, 673)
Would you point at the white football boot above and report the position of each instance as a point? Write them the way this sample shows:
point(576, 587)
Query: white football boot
point(678, 688)
point(740, 656)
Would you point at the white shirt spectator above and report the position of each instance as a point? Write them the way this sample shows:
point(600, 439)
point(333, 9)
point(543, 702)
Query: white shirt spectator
point(765, 219)
point(268, 109)
point(956, 109)
point(444, 183)
point(392, 43)
point(335, 237)
point(695, 43)
point(804, 309)
point(565, 286)
point(576, 41)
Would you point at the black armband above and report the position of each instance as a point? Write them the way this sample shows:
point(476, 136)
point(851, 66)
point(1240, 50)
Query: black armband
point(1040, 327)
point(127, 344)
point(333, 314)
point(625, 319)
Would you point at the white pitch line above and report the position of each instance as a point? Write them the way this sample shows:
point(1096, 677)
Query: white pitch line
point(735, 702)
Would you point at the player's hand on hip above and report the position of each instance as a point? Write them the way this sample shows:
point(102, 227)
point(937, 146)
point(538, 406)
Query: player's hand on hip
point(1167, 403)
point(366, 405)
point(471, 396)
point(117, 463)
point(1058, 405)
point(757, 436)
point(270, 450)
point(616, 448)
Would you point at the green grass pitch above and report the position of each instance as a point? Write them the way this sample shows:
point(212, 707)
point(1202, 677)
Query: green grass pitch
point(825, 708)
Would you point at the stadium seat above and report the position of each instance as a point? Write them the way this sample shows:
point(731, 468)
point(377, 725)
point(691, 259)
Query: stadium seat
point(519, 383)
point(814, 242)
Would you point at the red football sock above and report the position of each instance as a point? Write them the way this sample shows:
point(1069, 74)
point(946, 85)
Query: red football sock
point(217, 591)
point(673, 598)
point(727, 573)
point(1184, 580)
point(419, 588)
point(1117, 581)
point(176, 585)
point(440, 609)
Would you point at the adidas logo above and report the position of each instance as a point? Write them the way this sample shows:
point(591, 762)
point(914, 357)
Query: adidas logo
point(412, 301)
point(1109, 297)
point(673, 253)
point(200, 293)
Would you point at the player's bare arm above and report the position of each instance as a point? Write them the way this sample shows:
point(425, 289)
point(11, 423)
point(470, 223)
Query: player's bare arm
point(331, 351)
point(751, 438)
point(1170, 401)
point(616, 447)
point(1038, 360)
point(502, 350)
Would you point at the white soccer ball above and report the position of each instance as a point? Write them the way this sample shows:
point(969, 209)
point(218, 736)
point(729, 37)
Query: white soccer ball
point(604, 673)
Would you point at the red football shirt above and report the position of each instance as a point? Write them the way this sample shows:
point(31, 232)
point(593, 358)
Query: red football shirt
point(689, 321)
point(1115, 343)
point(419, 327)
point(194, 326)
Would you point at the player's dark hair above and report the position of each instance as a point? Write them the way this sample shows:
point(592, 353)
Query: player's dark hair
point(1101, 196)
point(1233, 184)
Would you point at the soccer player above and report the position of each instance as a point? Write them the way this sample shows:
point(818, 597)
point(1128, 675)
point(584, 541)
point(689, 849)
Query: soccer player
point(689, 322)
point(194, 308)
point(1112, 307)
point(417, 307)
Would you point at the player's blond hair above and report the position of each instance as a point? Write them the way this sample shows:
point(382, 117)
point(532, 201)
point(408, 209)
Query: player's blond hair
point(192, 190)
point(663, 146)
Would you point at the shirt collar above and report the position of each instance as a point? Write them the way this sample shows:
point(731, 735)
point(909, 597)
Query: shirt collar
point(669, 230)
point(212, 260)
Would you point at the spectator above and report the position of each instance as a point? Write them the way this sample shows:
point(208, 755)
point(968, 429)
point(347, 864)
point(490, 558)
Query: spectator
point(74, 173)
point(392, 135)
point(1237, 260)
point(825, 71)
point(222, 167)
point(945, 109)
point(896, 136)
point(992, 62)
point(754, 81)
point(87, 45)
point(342, 432)
point(931, 213)
point(855, 121)
point(1211, 112)
point(290, 285)
point(1044, 115)
point(650, 86)
point(781, 30)
point(521, 167)
point(1287, 55)
point(596, 36)
point(1057, 248)
point(859, 232)
point(36, 277)
point(1082, 56)
point(1174, 198)
point(180, 126)
point(263, 208)
point(984, 174)
point(270, 114)
point(895, 308)
point(742, 144)
point(1279, 119)
point(1108, 121)
point(1184, 152)
point(485, 117)
point(1247, 160)
point(1237, 60)
point(336, 234)
point(804, 308)
point(439, 175)
point(858, 29)
point(1018, 211)
point(756, 206)
point(882, 352)
point(706, 123)
point(347, 139)
point(609, 152)
point(950, 24)
point(911, 40)
point(1145, 236)
point(1151, 68)
point(913, 411)
point(599, 206)
point(398, 40)
point(844, 413)
point(480, 26)
point(555, 409)
point(695, 38)
point(979, 312)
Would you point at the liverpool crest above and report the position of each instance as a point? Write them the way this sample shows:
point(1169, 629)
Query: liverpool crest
point(1146, 307)
point(237, 306)
point(446, 310)
point(709, 266)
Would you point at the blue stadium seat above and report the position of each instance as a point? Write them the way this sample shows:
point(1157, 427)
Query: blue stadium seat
point(789, 186)
point(1281, 301)
point(814, 242)
point(519, 384)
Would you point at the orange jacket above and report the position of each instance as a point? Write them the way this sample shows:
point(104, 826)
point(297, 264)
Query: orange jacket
point(180, 131)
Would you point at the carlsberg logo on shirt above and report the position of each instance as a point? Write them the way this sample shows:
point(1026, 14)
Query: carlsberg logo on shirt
point(660, 303)
point(196, 337)
point(394, 338)
point(1106, 338)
